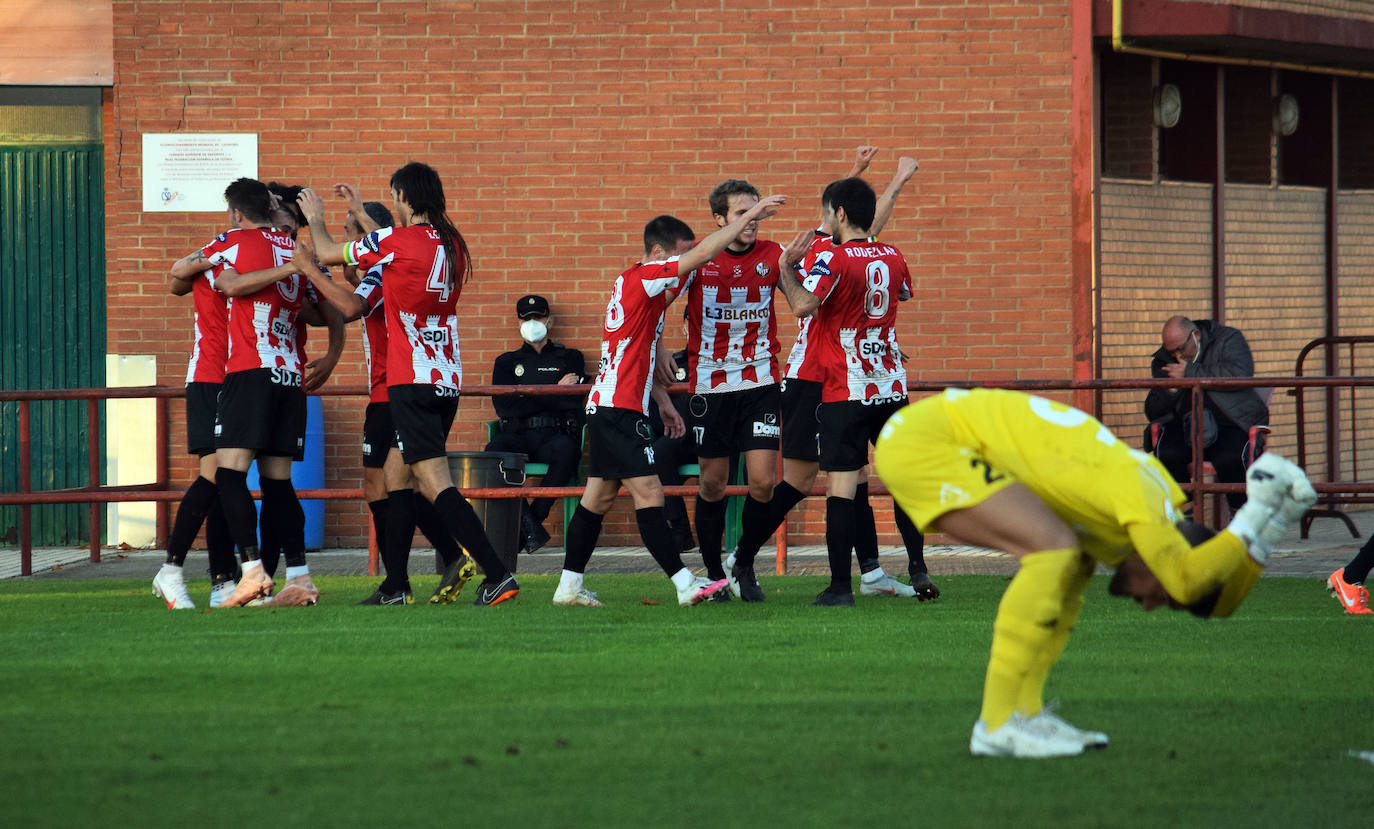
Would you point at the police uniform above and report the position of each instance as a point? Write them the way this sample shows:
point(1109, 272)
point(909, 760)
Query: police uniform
point(547, 429)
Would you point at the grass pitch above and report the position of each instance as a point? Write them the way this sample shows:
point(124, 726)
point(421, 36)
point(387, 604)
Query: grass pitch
point(114, 711)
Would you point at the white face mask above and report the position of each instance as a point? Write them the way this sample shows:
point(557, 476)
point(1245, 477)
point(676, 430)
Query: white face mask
point(533, 331)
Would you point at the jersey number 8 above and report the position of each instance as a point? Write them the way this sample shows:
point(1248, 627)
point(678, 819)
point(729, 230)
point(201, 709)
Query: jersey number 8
point(879, 296)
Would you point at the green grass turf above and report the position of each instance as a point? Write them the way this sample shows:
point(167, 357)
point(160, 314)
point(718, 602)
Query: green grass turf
point(114, 711)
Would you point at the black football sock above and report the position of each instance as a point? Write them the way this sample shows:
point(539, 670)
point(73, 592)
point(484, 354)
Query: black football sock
point(653, 528)
point(755, 526)
point(912, 538)
point(220, 544)
point(785, 497)
point(839, 541)
point(432, 526)
point(288, 524)
point(281, 525)
point(865, 531)
point(400, 528)
point(584, 528)
point(711, 535)
point(269, 536)
point(1358, 568)
point(239, 511)
point(195, 504)
point(379, 509)
point(462, 523)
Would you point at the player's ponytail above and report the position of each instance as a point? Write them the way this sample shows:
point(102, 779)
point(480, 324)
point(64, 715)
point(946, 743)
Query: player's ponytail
point(424, 192)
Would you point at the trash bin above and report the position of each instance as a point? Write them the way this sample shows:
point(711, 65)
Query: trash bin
point(500, 516)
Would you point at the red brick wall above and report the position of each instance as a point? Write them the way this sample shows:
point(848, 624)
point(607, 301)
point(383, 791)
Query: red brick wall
point(560, 128)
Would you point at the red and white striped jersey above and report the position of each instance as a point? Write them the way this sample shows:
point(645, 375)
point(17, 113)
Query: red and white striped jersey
point(262, 325)
point(802, 363)
point(420, 303)
point(210, 352)
point(629, 340)
point(374, 334)
point(732, 338)
point(859, 284)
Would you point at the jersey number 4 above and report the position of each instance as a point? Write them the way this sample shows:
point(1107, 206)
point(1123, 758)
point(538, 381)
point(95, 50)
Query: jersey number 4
point(438, 276)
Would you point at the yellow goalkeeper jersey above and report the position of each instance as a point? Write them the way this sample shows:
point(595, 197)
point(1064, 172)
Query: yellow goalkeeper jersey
point(956, 449)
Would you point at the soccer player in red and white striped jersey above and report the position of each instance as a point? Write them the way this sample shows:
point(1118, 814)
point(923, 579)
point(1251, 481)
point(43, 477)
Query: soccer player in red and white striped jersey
point(424, 264)
point(852, 289)
point(619, 437)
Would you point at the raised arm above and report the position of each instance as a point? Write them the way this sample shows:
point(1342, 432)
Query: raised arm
point(802, 302)
point(349, 194)
point(707, 249)
point(906, 168)
point(863, 155)
point(327, 251)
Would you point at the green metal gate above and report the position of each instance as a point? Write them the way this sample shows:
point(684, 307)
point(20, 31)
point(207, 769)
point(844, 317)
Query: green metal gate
point(52, 321)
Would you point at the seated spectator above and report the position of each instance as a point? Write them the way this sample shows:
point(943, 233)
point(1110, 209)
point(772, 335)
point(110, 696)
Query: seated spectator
point(546, 428)
point(1204, 349)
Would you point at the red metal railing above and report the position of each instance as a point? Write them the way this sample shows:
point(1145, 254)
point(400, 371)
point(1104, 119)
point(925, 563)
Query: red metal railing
point(1329, 504)
point(1333, 492)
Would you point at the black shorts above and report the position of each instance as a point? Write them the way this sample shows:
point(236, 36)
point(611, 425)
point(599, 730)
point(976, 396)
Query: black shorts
point(202, 400)
point(801, 424)
point(378, 435)
point(422, 416)
point(848, 427)
point(620, 444)
point(734, 421)
point(256, 413)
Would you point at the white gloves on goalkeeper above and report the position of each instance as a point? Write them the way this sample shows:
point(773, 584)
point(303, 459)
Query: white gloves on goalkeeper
point(1278, 493)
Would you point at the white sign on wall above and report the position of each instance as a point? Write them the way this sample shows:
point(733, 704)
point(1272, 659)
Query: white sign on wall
point(187, 172)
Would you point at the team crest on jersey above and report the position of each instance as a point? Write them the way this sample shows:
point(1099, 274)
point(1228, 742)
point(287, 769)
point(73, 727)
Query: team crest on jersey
point(519, 371)
point(223, 237)
point(761, 269)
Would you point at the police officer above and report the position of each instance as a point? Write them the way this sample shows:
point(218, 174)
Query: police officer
point(546, 428)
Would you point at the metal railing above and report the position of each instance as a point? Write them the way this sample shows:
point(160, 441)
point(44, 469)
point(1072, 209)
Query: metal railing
point(160, 491)
point(1329, 504)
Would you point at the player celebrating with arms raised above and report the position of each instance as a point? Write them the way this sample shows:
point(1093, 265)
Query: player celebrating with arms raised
point(424, 265)
point(853, 290)
point(619, 436)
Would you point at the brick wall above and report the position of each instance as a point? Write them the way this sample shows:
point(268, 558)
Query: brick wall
point(1156, 262)
point(560, 128)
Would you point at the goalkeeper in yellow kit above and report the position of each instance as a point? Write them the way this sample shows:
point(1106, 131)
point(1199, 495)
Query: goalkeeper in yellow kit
point(1052, 486)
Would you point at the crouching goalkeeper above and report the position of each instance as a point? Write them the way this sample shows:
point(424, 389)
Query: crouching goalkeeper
point(1052, 486)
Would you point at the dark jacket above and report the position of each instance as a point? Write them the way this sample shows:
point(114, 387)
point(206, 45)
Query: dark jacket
point(1223, 352)
point(527, 367)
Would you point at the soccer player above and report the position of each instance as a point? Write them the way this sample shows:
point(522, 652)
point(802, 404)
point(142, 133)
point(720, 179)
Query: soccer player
point(732, 371)
point(619, 436)
point(425, 263)
point(195, 274)
point(1053, 487)
point(363, 218)
point(801, 398)
point(286, 218)
point(852, 290)
point(261, 410)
